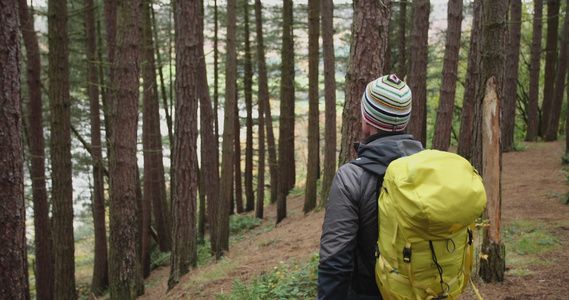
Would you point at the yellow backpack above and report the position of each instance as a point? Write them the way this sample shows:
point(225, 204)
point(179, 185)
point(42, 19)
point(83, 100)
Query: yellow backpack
point(427, 208)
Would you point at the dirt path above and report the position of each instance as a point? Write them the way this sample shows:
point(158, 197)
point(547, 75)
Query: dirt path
point(532, 184)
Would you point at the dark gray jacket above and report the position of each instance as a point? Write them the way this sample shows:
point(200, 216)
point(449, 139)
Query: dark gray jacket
point(350, 229)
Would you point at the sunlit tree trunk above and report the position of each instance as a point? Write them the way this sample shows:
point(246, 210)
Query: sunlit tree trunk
point(472, 84)
point(327, 12)
point(43, 237)
point(62, 187)
point(13, 263)
point(443, 126)
point(508, 121)
point(533, 113)
point(367, 53)
point(124, 266)
point(417, 69)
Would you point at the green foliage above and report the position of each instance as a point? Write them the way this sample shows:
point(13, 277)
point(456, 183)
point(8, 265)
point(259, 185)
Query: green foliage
point(529, 238)
point(287, 281)
point(239, 223)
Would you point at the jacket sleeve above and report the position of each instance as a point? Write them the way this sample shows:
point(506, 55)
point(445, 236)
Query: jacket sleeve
point(339, 234)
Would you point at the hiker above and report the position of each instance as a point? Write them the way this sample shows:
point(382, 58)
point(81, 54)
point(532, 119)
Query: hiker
point(350, 228)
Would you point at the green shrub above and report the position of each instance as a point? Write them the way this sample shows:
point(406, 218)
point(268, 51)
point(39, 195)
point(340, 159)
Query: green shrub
point(287, 281)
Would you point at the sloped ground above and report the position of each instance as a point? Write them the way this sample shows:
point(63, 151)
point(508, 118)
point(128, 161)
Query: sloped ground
point(533, 183)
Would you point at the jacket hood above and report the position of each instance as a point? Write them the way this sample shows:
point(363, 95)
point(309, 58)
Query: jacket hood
point(380, 150)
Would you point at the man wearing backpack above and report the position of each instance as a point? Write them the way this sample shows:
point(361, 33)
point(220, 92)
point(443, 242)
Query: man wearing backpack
point(350, 229)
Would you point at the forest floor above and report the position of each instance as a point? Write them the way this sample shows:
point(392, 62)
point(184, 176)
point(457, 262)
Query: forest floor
point(535, 226)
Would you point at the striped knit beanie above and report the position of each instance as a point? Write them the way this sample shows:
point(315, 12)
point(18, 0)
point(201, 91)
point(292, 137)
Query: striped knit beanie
point(386, 103)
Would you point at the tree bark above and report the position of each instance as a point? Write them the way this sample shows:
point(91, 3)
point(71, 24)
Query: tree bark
point(402, 27)
point(100, 280)
point(313, 163)
point(533, 113)
point(511, 81)
point(62, 187)
point(495, 12)
point(493, 261)
point(264, 117)
point(13, 263)
point(43, 236)
point(472, 84)
point(184, 234)
point(238, 182)
point(550, 62)
point(154, 182)
point(248, 89)
point(551, 134)
point(286, 123)
point(327, 12)
point(367, 52)
point(210, 161)
point(124, 266)
point(443, 126)
point(227, 163)
point(417, 73)
point(111, 37)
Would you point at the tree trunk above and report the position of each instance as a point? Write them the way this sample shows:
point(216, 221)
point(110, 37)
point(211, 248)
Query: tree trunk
point(551, 134)
point(184, 235)
point(210, 161)
point(533, 113)
point(327, 12)
point(100, 280)
point(150, 188)
point(472, 84)
point(417, 74)
point(248, 89)
point(216, 74)
point(264, 116)
point(402, 27)
point(493, 261)
point(511, 81)
point(238, 182)
point(62, 187)
point(286, 123)
point(443, 126)
point(495, 12)
point(313, 163)
point(227, 163)
point(111, 37)
point(367, 52)
point(550, 62)
point(154, 182)
point(43, 236)
point(123, 262)
point(14, 262)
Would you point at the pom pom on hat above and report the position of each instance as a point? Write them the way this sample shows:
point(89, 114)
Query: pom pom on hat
point(386, 103)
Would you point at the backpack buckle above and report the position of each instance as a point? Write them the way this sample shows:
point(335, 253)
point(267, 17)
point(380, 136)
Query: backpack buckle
point(407, 255)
